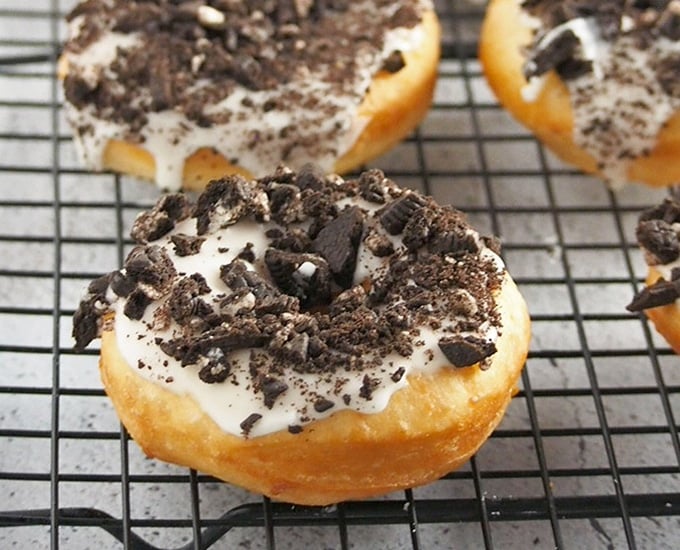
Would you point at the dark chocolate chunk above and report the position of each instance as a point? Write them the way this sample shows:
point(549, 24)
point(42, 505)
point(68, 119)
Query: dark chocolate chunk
point(398, 374)
point(396, 214)
point(371, 187)
point(668, 75)
point(150, 265)
point(295, 350)
point(348, 301)
point(380, 245)
point(186, 245)
point(227, 200)
point(295, 240)
point(295, 429)
point(551, 54)
point(99, 286)
point(394, 63)
point(121, 284)
point(322, 405)
point(304, 276)
point(216, 368)
point(227, 339)
point(660, 239)
point(85, 323)
point(136, 305)
point(247, 425)
point(284, 202)
point(247, 253)
point(368, 386)
point(272, 388)
point(465, 351)
point(660, 293)
point(338, 242)
point(161, 219)
point(184, 303)
point(310, 176)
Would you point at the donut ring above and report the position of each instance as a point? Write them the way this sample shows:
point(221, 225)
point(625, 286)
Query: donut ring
point(392, 106)
point(432, 422)
point(550, 115)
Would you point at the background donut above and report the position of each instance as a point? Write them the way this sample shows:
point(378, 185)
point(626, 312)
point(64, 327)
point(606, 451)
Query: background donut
point(339, 103)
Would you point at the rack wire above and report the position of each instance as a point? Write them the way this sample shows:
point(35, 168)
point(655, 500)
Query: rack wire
point(587, 456)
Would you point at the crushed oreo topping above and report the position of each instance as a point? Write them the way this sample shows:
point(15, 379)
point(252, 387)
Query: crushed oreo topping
point(658, 233)
point(286, 308)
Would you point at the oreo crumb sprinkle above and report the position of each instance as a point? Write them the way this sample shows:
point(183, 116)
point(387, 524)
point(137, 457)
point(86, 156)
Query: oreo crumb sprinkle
point(292, 317)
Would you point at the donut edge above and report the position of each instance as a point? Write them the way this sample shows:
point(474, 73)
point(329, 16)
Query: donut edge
point(422, 434)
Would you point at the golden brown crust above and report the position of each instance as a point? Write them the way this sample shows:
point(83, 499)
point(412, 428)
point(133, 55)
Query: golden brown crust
point(428, 428)
point(666, 319)
point(550, 117)
point(395, 104)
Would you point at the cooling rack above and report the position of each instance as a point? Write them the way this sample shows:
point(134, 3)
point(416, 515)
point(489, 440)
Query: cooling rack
point(587, 457)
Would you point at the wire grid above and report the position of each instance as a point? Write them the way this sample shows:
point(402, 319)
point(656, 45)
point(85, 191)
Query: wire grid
point(587, 455)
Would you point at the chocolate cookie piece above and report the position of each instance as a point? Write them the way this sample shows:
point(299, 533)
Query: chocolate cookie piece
point(660, 239)
point(465, 351)
point(161, 219)
point(396, 214)
point(186, 245)
point(338, 243)
point(304, 276)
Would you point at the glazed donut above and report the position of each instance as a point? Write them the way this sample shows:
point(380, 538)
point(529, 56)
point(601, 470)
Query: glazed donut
point(184, 92)
point(658, 233)
point(309, 338)
point(595, 81)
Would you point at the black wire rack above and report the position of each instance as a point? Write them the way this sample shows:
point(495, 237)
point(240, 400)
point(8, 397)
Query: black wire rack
point(588, 455)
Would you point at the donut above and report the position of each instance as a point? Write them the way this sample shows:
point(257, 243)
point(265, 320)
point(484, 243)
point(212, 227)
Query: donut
point(184, 92)
point(595, 81)
point(306, 337)
point(658, 233)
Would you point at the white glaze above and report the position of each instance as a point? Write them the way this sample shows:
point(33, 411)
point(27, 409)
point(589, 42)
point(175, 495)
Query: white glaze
point(339, 130)
point(231, 402)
